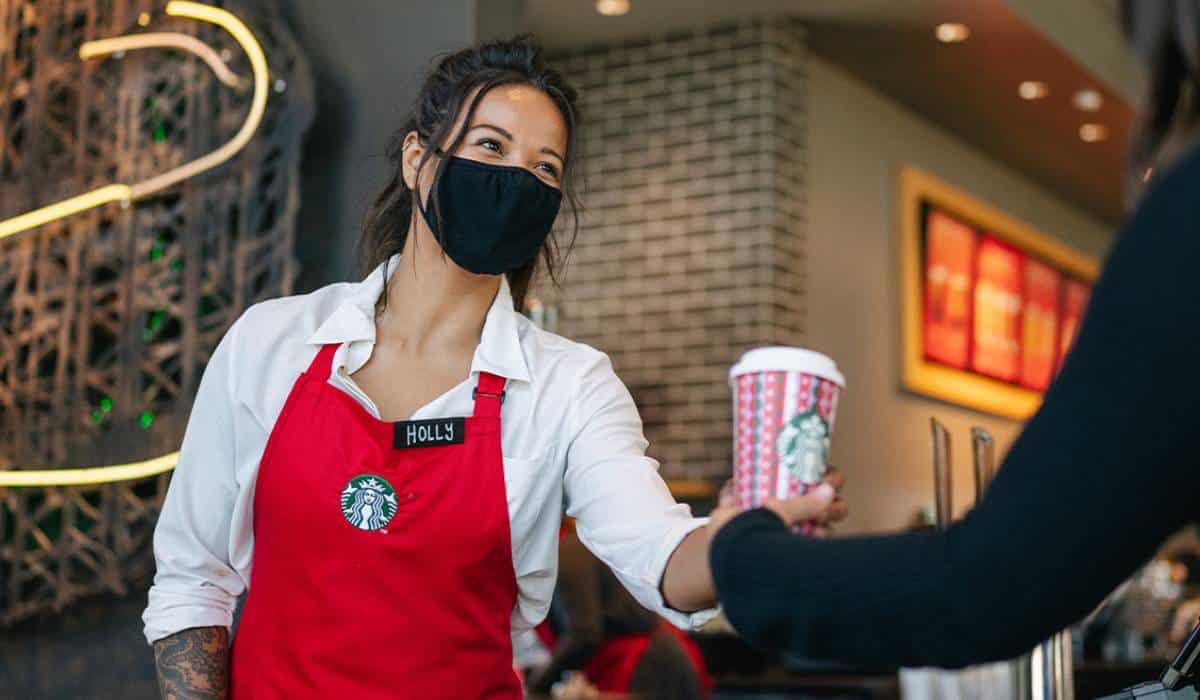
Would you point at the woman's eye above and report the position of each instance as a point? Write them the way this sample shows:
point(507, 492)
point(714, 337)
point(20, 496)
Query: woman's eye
point(548, 169)
point(490, 144)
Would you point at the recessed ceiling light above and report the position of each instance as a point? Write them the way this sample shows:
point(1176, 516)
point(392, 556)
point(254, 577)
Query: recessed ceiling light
point(144, 19)
point(612, 8)
point(1088, 100)
point(952, 32)
point(1032, 90)
point(1092, 133)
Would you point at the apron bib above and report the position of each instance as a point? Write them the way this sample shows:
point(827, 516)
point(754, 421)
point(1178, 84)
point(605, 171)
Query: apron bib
point(382, 555)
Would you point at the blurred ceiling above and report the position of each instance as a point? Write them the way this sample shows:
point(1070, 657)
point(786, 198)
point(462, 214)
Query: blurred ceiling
point(967, 88)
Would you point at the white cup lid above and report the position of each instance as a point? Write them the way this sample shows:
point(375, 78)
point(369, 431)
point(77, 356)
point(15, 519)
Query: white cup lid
point(781, 358)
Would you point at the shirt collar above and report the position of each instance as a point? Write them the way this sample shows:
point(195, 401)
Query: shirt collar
point(499, 350)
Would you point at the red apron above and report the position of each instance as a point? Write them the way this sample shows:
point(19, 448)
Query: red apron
point(378, 572)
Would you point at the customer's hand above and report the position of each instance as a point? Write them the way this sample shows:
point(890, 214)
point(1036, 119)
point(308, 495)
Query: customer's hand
point(837, 510)
point(822, 506)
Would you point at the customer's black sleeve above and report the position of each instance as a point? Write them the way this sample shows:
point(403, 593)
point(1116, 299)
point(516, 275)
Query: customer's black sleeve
point(1101, 475)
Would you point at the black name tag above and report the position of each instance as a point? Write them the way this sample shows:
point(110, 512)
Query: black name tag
point(427, 433)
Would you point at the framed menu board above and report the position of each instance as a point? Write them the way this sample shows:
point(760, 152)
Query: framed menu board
point(990, 306)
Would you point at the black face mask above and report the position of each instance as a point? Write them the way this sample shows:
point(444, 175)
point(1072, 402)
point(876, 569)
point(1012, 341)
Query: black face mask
point(492, 219)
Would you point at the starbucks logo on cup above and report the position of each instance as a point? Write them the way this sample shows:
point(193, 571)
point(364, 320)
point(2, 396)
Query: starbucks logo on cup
point(368, 502)
point(803, 447)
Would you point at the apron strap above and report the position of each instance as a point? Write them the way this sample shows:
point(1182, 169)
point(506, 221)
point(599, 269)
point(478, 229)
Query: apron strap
point(488, 395)
point(322, 364)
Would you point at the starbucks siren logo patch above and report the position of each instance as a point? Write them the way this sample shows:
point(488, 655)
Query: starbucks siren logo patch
point(803, 447)
point(368, 502)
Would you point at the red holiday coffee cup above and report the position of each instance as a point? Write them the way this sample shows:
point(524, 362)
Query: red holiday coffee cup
point(785, 403)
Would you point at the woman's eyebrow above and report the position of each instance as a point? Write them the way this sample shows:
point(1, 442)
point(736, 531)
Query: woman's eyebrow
point(494, 128)
point(551, 151)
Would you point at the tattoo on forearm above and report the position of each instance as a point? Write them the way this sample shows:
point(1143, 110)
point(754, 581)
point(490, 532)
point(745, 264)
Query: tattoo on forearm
point(193, 664)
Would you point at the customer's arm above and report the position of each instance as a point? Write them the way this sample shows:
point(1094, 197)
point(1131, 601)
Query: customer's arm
point(1105, 471)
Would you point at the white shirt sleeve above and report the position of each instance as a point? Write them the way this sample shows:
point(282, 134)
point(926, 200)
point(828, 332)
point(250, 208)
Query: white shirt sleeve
point(625, 514)
point(194, 583)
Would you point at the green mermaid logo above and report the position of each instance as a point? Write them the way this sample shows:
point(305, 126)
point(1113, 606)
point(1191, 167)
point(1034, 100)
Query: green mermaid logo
point(803, 447)
point(368, 502)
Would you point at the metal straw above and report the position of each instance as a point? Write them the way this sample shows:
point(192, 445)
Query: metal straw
point(941, 474)
point(984, 451)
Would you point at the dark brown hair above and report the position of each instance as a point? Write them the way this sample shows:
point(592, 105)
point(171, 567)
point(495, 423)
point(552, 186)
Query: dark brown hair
point(442, 96)
point(665, 671)
point(1166, 36)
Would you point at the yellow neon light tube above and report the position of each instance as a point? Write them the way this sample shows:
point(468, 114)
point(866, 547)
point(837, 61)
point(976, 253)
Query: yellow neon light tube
point(162, 40)
point(120, 192)
point(258, 103)
point(66, 207)
point(88, 475)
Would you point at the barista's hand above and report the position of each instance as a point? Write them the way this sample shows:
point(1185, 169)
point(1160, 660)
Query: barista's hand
point(822, 506)
point(726, 509)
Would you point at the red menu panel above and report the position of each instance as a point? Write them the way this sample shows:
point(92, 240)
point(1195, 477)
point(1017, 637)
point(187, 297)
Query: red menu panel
point(949, 257)
point(1039, 324)
point(997, 347)
point(1074, 300)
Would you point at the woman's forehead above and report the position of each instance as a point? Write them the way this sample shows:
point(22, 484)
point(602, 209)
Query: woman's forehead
point(526, 112)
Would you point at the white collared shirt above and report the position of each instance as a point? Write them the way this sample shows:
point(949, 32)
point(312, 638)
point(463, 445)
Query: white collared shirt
point(571, 433)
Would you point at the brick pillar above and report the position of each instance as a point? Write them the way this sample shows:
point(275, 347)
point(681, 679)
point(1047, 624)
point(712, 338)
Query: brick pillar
point(691, 249)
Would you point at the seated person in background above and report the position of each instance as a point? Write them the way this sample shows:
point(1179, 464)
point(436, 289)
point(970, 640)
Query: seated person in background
point(1186, 616)
point(1186, 571)
point(623, 649)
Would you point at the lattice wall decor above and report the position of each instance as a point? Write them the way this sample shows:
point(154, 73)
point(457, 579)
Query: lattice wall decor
point(107, 317)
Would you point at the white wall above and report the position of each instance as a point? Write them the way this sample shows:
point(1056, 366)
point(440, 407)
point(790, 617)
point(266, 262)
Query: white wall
point(857, 141)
